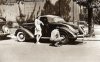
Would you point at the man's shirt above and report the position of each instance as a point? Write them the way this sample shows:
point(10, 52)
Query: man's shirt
point(55, 35)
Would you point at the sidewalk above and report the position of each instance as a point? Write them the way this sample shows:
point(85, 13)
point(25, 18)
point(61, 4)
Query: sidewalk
point(95, 38)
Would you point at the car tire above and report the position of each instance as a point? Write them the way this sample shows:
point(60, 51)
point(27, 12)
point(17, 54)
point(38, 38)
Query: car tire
point(21, 36)
point(65, 36)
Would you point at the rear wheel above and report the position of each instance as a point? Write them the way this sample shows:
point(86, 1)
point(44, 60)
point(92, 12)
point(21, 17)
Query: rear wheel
point(21, 36)
point(65, 39)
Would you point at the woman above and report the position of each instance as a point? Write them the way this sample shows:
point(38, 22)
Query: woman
point(38, 29)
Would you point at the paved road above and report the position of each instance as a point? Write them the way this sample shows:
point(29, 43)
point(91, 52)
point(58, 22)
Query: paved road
point(13, 51)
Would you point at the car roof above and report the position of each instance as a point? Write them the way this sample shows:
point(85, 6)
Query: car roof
point(51, 16)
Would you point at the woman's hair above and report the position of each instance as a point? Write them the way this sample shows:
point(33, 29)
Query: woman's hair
point(38, 17)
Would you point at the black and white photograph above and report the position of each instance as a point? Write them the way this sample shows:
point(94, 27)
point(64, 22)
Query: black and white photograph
point(49, 30)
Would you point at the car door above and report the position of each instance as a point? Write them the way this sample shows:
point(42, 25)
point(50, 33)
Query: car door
point(45, 27)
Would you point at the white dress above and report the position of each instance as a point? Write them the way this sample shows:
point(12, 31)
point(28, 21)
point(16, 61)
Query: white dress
point(38, 30)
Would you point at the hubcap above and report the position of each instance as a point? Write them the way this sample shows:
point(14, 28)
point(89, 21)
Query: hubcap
point(21, 36)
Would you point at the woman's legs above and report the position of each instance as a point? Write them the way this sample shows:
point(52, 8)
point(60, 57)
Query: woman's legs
point(38, 38)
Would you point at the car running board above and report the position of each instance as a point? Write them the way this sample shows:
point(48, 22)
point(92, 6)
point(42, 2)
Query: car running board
point(80, 36)
point(45, 37)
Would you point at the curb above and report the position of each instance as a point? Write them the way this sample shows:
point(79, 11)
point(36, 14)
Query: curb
point(90, 39)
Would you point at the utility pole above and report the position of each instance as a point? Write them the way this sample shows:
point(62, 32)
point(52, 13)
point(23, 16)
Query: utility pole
point(90, 18)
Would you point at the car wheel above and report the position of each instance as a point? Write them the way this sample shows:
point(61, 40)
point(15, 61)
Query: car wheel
point(65, 39)
point(21, 37)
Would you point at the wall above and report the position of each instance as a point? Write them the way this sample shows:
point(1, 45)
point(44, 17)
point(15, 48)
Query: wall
point(12, 11)
point(75, 10)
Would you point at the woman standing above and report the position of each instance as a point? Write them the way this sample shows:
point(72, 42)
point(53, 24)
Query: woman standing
point(38, 29)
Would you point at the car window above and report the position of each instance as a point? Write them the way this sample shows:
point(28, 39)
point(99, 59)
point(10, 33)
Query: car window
point(50, 19)
point(44, 19)
point(56, 19)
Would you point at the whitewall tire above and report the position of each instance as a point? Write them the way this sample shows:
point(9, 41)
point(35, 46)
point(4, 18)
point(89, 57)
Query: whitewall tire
point(21, 37)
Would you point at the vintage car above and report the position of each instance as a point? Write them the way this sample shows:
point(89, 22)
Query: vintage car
point(70, 32)
point(4, 30)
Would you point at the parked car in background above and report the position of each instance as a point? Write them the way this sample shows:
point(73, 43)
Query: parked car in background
point(70, 32)
point(4, 30)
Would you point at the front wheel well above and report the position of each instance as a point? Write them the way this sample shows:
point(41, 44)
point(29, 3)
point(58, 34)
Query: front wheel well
point(27, 36)
point(16, 32)
point(64, 34)
point(69, 35)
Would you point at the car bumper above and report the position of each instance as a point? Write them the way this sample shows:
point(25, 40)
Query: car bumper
point(3, 34)
point(80, 36)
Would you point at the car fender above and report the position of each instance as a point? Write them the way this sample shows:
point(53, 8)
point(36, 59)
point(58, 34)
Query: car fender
point(29, 33)
point(70, 33)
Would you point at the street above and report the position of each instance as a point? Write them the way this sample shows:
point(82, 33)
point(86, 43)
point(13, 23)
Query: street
point(13, 51)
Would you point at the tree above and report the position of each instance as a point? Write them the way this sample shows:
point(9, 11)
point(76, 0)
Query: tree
point(61, 8)
point(48, 8)
point(89, 5)
point(96, 12)
point(21, 18)
point(82, 2)
point(90, 18)
point(33, 15)
point(2, 1)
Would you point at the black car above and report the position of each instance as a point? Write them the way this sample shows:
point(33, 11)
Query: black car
point(69, 31)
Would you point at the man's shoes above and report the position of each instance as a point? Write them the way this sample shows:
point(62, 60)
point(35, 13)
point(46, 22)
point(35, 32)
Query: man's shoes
point(38, 43)
point(57, 44)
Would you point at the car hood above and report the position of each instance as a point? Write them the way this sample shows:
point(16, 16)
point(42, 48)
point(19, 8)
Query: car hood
point(72, 27)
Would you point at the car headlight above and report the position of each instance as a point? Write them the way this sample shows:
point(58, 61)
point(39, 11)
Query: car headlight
point(5, 29)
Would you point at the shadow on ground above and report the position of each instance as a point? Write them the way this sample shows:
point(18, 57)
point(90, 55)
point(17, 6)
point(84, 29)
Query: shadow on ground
point(5, 38)
point(48, 41)
point(75, 43)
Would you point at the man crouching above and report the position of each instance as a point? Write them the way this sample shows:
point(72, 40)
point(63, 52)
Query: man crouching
point(56, 38)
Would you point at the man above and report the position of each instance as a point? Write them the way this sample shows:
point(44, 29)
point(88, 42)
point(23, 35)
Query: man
point(56, 38)
point(38, 29)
